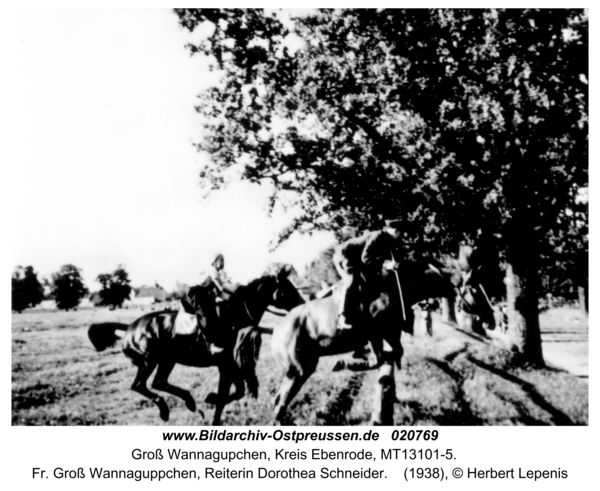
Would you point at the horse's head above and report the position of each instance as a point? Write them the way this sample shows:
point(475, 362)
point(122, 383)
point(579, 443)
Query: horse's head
point(273, 290)
point(286, 295)
point(473, 299)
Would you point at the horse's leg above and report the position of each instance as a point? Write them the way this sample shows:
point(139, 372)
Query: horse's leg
point(428, 323)
point(281, 399)
point(139, 385)
point(291, 385)
point(223, 397)
point(240, 389)
point(161, 383)
point(229, 373)
point(373, 361)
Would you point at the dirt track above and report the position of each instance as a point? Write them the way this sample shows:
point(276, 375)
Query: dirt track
point(565, 344)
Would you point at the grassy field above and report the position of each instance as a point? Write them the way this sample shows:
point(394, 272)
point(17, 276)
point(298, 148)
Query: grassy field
point(454, 378)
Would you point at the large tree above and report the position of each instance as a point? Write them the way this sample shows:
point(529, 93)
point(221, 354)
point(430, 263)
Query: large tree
point(67, 287)
point(116, 287)
point(466, 124)
point(27, 291)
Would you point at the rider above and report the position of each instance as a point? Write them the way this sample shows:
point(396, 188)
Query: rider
point(214, 282)
point(367, 254)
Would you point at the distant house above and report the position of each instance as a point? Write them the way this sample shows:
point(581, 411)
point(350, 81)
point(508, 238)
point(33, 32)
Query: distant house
point(181, 290)
point(86, 303)
point(96, 299)
point(46, 305)
point(147, 295)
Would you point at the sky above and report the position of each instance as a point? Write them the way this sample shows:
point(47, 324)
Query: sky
point(104, 171)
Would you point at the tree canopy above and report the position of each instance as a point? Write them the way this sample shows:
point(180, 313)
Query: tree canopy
point(27, 291)
point(67, 287)
point(321, 272)
point(115, 287)
point(465, 124)
point(453, 120)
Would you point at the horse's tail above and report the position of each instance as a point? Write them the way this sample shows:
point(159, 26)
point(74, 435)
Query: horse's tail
point(106, 334)
point(245, 355)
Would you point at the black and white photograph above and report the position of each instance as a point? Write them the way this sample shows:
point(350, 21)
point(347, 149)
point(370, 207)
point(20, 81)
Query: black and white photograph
point(299, 217)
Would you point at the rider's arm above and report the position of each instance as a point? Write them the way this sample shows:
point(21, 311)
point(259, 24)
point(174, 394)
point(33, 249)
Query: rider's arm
point(376, 249)
point(218, 285)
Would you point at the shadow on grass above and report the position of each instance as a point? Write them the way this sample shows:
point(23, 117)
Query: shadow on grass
point(463, 415)
point(336, 412)
point(483, 337)
point(521, 408)
point(558, 417)
point(460, 413)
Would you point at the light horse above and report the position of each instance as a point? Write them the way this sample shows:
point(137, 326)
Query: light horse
point(310, 331)
point(163, 339)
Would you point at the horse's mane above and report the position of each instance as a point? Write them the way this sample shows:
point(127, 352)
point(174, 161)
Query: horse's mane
point(254, 284)
point(244, 296)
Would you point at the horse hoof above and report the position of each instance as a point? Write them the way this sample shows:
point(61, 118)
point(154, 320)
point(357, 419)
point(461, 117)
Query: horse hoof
point(164, 414)
point(191, 405)
point(386, 380)
point(339, 366)
point(211, 398)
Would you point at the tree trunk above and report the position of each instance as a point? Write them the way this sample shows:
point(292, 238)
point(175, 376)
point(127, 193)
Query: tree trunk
point(583, 299)
point(448, 313)
point(522, 299)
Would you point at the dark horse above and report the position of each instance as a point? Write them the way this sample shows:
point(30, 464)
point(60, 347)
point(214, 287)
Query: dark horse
point(474, 301)
point(310, 331)
point(163, 339)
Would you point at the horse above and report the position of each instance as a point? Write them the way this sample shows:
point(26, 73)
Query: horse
point(310, 330)
point(474, 301)
point(164, 339)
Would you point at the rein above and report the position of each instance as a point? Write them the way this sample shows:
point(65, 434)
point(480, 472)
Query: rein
point(253, 322)
point(480, 287)
point(399, 288)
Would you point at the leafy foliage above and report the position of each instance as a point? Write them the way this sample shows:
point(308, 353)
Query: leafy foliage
point(465, 124)
point(67, 287)
point(27, 291)
point(276, 267)
point(454, 120)
point(115, 287)
point(321, 271)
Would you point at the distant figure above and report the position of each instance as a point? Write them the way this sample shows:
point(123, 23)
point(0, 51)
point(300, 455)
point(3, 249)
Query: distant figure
point(365, 256)
point(426, 307)
point(213, 290)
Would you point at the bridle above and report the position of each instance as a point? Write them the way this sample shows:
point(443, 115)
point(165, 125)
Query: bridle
point(467, 304)
point(250, 316)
